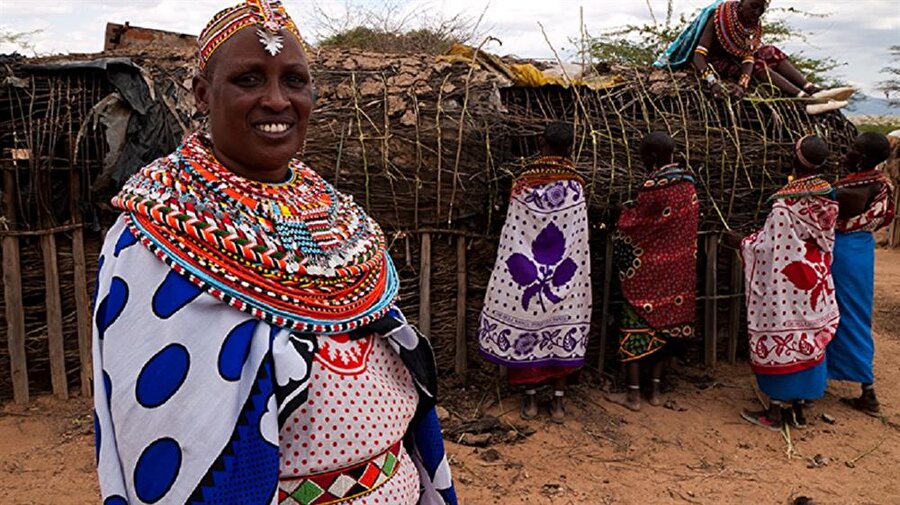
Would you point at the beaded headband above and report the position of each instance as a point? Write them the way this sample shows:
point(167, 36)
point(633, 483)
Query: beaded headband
point(268, 15)
point(798, 149)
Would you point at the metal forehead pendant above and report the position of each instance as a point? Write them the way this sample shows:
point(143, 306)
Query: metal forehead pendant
point(272, 42)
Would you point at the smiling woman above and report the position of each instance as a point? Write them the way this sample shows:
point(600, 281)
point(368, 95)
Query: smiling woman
point(246, 344)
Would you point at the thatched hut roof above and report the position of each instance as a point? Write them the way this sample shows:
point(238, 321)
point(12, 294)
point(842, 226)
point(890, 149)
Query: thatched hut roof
point(427, 141)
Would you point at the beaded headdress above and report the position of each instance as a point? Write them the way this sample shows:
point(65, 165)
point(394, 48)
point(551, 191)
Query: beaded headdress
point(269, 16)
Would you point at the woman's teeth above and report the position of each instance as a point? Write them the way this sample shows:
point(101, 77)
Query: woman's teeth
point(273, 127)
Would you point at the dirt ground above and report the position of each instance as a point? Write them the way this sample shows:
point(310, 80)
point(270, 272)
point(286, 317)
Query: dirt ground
point(695, 451)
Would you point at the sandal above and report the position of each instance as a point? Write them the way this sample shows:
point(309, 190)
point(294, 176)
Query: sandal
point(761, 418)
point(837, 94)
point(866, 407)
point(561, 417)
point(529, 395)
point(797, 416)
point(829, 106)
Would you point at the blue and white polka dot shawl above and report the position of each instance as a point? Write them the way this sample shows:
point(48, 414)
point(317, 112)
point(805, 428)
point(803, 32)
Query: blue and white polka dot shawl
point(189, 391)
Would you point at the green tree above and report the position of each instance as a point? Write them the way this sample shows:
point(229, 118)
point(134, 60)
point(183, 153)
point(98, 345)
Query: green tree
point(634, 44)
point(422, 40)
point(891, 85)
point(392, 26)
point(641, 44)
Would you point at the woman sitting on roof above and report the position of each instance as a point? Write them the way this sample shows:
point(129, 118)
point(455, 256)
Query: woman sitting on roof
point(724, 42)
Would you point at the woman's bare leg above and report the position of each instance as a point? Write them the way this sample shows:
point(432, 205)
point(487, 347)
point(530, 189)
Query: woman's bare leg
point(632, 399)
point(790, 72)
point(655, 398)
point(557, 410)
point(529, 404)
point(779, 81)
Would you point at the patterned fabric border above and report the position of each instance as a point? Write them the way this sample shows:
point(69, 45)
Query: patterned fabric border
point(879, 213)
point(342, 485)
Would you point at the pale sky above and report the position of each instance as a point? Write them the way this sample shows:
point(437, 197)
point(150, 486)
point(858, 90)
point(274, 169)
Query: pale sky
point(858, 32)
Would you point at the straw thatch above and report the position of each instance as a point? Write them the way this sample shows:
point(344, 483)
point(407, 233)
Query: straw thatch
point(438, 148)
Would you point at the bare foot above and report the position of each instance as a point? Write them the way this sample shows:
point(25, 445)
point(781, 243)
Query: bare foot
point(529, 407)
point(624, 400)
point(557, 411)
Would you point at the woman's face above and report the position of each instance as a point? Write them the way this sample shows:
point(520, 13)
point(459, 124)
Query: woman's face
point(752, 10)
point(258, 105)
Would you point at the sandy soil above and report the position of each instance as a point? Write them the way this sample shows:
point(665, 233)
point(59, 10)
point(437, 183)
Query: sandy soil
point(695, 451)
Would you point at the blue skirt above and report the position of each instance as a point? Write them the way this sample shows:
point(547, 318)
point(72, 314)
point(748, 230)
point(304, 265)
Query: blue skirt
point(806, 385)
point(851, 352)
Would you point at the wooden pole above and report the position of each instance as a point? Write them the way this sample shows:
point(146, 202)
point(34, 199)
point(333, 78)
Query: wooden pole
point(12, 292)
point(607, 285)
point(54, 319)
point(83, 312)
point(79, 272)
point(15, 318)
point(709, 326)
point(461, 363)
point(425, 286)
point(40, 233)
point(734, 311)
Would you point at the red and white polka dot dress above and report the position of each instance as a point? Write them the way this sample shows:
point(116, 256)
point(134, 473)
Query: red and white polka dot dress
point(361, 401)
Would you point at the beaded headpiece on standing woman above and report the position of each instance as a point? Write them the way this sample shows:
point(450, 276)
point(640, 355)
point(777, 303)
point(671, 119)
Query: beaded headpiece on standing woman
point(269, 16)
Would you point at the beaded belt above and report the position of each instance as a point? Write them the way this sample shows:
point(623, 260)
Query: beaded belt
point(340, 485)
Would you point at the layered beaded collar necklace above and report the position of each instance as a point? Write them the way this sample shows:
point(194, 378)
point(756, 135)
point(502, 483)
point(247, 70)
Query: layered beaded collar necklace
point(669, 174)
point(297, 253)
point(813, 185)
point(863, 178)
point(737, 39)
point(294, 211)
point(550, 167)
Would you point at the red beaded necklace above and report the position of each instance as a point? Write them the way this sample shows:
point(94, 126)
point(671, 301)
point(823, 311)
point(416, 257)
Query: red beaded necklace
point(737, 39)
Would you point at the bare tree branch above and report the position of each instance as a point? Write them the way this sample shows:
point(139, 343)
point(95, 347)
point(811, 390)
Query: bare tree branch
point(395, 26)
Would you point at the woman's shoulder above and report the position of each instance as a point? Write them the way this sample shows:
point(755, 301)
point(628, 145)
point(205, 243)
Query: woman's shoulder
point(160, 170)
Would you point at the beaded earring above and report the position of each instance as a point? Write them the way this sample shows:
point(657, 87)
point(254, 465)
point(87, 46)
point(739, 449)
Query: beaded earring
point(302, 150)
point(204, 127)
